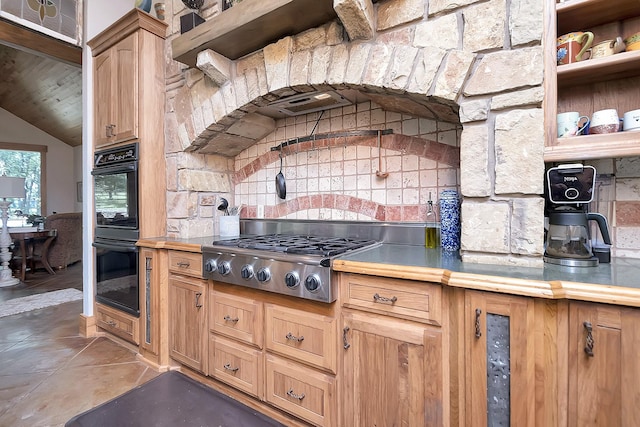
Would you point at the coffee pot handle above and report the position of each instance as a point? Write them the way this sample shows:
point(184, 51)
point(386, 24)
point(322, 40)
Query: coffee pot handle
point(602, 223)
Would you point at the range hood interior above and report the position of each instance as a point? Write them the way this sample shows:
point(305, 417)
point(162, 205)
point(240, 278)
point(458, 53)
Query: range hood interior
point(305, 103)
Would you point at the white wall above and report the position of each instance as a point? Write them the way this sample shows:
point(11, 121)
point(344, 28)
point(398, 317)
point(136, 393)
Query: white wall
point(61, 177)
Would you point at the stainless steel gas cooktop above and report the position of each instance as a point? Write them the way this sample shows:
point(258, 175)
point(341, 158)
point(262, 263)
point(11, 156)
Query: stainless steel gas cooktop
point(295, 265)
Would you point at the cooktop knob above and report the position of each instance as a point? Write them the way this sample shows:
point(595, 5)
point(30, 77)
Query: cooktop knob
point(246, 272)
point(312, 282)
point(224, 268)
point(210, 266)
point(292, 279)
point(263, 275)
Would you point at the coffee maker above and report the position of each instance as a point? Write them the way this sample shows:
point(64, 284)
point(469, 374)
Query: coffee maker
point(568, 243)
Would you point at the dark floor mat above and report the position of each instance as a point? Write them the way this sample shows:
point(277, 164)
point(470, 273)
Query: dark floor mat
point(171, 399)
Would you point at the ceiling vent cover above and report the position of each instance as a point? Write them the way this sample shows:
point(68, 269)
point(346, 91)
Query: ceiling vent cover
point(309, 102)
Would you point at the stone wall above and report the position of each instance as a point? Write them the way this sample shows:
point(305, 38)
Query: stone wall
point(468, 67)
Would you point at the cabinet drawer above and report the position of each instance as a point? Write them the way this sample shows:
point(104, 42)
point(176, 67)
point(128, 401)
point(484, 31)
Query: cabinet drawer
point(188, 263)
point(236, 364)
point(301, 391)
point(307, 337)
point(117, 323)
point(401, 298)
point(236, 317)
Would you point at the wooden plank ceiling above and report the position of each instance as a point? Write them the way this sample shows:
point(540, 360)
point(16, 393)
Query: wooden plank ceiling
point(41, 82)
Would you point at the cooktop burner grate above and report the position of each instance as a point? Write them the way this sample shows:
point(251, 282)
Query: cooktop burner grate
point(297, 244)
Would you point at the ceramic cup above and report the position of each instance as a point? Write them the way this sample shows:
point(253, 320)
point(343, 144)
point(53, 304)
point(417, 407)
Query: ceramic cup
point(631, 120)
point(569, 124)
point(633, 42)
point(605, 121)
point(607, 48)
point(572, 46)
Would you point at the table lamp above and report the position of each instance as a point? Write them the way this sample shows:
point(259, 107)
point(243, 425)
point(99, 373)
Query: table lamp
point(10, 188)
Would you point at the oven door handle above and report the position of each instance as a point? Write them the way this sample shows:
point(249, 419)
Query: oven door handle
point(110, 170)
point(120, 247)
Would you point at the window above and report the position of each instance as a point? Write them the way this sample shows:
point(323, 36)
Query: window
point(28, 162)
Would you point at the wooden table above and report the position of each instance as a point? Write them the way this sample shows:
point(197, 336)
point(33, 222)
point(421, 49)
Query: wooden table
point(27, 241)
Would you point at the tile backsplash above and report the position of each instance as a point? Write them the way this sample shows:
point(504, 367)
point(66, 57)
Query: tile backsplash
point(341, 178)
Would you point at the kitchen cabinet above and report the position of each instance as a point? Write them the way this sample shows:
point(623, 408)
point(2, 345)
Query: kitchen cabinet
point(118, 323)
point(128, 81)
point(188, 321)
point(498, 334)
point(393, 368)
point(116, 89)
point(235, 342)
point(594, 84)
point(604, 365)
point(153, 315)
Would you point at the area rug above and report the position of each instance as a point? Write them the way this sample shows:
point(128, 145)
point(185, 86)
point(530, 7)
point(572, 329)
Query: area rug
point(172, 399)
point(35, 302)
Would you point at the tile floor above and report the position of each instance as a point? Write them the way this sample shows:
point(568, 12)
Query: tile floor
point(48, 372)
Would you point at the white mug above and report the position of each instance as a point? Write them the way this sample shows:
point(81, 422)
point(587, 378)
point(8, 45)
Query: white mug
point(569, 124)
point(631, 120)
point(605, 121)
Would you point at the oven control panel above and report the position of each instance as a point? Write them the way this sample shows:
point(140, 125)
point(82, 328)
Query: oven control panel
point(297, 279)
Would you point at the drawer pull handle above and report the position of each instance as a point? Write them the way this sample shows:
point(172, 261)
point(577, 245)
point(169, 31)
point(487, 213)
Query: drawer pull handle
point(111, 323)
point(183, 264)
point(228, 367)
point(379, 299)
point(589, 341)
point(295, 396)
point(292, 337)
point(345, 343)
point(228, 318)
point(478, 331)
point(198, 303)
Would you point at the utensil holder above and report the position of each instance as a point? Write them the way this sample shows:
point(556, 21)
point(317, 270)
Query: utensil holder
point(450, 220)
point(230, 226)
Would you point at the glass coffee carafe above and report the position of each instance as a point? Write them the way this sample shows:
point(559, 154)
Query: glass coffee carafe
point(568, 240)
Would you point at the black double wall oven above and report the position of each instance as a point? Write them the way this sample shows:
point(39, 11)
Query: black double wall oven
point(115, 177)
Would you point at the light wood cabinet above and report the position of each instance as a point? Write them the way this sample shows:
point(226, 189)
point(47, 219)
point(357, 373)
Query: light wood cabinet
point(392, 374)
point(188, 321)
point(236, 364)
point(153, 301)
point(116, 90)
point(118, 323)
point(188, 263)
point(128, 61)
point(303, 392)
point(604, 365)
point(594, 84)
point(308, 337)
point(237, 317)
point(498, 334)
point(393, 369)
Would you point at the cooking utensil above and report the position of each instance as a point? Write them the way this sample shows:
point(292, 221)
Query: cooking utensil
point(379, 172)
point(224, 206)
point(281, 184)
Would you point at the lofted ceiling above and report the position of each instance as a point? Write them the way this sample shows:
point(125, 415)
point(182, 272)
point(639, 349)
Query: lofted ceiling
point(41, 82)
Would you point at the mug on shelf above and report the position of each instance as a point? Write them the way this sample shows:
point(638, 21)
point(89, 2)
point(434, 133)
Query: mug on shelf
point(631, 120)
point(569, 124)
point(572, 46)
point(605, 121)
point(633, 42)
point(607, 48)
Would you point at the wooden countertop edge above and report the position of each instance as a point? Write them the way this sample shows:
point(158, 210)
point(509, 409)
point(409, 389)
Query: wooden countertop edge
point(158, 243)
point(524, 287)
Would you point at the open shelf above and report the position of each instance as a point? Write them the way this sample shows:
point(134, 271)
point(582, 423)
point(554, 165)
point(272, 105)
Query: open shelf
point(578, 15)
point(618, 66)
point(588, 147)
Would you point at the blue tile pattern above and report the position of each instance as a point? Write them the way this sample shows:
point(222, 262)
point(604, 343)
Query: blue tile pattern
point(450, 220)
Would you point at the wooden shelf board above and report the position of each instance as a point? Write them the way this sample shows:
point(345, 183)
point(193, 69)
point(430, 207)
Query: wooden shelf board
point(249, 26)
point(588, 147)
point(580, 15)
point(621, 65)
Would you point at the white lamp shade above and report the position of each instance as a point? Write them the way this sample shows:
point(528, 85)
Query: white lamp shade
point(12, 187)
